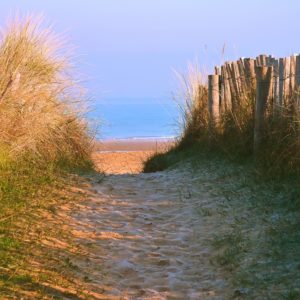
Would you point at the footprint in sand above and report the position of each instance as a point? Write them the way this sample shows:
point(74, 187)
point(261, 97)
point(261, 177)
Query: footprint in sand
point(151, 243)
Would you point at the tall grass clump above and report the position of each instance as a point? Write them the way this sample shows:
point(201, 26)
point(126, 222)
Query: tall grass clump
point(280, 153)
point(39, 100)
point(234, 134)
point(192, 100)
point(194, 96)
point(43, 137)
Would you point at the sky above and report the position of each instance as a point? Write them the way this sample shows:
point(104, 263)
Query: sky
point(129, 48)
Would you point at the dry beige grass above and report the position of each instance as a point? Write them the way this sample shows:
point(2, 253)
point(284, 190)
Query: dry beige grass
point(38, 97)
point(193, 90)
point(41, 133)
point(234, 136)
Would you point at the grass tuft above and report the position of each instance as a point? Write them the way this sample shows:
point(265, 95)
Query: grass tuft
point(39, 100)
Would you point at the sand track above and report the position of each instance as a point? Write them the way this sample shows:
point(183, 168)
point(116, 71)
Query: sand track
point(145, 239)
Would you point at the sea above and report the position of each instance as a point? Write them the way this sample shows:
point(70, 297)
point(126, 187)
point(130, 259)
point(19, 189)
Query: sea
point(136, 118)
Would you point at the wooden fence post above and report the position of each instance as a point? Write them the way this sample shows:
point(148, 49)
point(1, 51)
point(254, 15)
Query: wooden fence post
point(214, 101)
point(250, 72)
point(297, 81)
point(222, 94)
point(297, 71)
point(237, 78)
point(230, 80)
point(292, 72)
point(217, 70)
point(242, 77)
point(276, 104)
point(286, 82)
point(226, 86)
point(281, 81)
point(263, 86)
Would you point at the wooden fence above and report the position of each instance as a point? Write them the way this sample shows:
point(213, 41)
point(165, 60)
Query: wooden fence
point(272, 82)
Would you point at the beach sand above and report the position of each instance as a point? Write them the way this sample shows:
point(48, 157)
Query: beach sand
point(128, 155)
point(140, 233)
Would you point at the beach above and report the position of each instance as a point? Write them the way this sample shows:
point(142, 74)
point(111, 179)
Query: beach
point(140, 232)
point(121, 156)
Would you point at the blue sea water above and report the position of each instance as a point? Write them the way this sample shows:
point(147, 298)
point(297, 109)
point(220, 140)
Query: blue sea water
point(126, 118)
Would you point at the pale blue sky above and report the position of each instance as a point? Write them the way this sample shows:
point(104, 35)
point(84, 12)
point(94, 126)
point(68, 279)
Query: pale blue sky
point(127, 48)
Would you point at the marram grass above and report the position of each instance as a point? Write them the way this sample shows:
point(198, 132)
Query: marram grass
point(39, 100)
point(42, 135)
point(280, 150)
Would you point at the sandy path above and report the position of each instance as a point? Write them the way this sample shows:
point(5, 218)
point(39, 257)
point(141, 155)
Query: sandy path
point(121, 162)
point(145, 239)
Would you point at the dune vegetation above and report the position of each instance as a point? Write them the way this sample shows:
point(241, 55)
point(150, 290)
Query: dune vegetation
point(39, 99)
point(41, 126)
point(43, 138)
point(258, 245)
point(279, 155)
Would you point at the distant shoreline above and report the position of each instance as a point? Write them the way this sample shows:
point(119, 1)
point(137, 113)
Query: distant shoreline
point(148, 138)
point(134, 144)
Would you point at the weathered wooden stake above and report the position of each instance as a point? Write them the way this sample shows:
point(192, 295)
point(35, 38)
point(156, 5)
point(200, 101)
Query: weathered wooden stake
point(287, 79)
point(264, 80)
point(276, 104)
point(214, 101)
point(297, 71)
point(292, 73)
point(281, 81)
point(222, 94)
point(262, 59)
point(231, 85)
point(226, 84)
point(241, 79)
point(250, 72)
point(237, 79)
point(297, 83)
point(217, 70)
